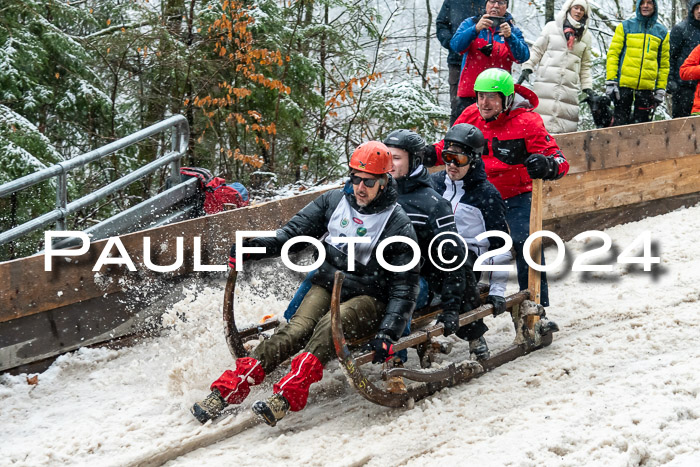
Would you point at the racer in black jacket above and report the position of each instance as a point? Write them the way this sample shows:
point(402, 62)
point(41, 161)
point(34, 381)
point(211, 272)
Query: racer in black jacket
point(374, 299)
point(478, 207)
point(432, 216)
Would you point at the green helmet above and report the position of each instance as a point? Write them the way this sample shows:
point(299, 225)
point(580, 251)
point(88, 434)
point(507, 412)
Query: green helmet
point(496, 80)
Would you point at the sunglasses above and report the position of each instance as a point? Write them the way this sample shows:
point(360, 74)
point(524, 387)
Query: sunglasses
point(369, 182)
point(459, 159)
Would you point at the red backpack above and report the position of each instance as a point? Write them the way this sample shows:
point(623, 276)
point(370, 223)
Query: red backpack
point(216, 191)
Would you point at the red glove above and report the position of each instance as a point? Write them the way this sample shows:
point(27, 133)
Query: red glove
point(244, 256)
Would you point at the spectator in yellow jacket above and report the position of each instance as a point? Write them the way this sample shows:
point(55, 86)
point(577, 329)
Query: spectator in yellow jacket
point(637, 65)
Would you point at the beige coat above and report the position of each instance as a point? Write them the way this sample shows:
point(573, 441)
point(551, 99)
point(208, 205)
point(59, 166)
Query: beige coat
point(561, 74)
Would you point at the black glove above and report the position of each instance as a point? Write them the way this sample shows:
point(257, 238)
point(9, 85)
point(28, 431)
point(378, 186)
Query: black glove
point(429, 156)
point(672, 86)
point(524, 75)
point(540, 166)
point(589, 93)
point(382, 346)
point(450, 320)
point(499, 304)
point(244, 256)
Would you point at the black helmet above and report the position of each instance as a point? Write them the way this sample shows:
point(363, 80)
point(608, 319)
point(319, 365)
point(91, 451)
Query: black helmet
point(409, 141)
point(468, 137)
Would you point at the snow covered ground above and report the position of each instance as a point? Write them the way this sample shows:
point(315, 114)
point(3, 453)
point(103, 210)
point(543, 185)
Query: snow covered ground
point(619, 386)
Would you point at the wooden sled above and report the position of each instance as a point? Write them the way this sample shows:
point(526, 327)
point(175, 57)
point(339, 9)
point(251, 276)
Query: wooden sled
point(426, 381)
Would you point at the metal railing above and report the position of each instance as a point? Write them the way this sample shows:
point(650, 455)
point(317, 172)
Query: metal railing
point(179, 142)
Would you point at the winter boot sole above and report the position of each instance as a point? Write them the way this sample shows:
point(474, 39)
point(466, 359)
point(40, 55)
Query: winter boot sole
point(200, 414)
point(263, 411)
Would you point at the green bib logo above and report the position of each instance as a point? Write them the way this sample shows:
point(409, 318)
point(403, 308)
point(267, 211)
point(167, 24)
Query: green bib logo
point(361, 231)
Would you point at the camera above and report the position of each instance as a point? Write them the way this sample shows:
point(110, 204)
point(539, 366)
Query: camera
point(497, 21)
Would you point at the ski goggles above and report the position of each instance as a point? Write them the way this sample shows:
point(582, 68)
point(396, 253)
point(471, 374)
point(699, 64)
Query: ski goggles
point(459, 159)
point(369, 182)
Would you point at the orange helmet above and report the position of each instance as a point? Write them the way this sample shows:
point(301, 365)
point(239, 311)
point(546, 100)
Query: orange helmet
point(372, 157)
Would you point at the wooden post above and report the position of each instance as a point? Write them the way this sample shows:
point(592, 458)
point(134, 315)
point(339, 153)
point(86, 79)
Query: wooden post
point(534, 279)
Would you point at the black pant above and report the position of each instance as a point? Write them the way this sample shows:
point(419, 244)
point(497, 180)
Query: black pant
point(682, 102)
point(644, 106)
point(460, 104)
point(471, 300)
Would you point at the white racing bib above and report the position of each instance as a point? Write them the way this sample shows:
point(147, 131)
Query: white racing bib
point(347, 222)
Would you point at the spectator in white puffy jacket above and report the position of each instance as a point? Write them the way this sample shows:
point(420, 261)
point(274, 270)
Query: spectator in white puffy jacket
point(562, 56)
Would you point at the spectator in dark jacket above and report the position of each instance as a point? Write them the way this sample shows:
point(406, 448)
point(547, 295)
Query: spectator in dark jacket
point(451, 15)
point(489, 41)
point(685, 36)
point(374, 300)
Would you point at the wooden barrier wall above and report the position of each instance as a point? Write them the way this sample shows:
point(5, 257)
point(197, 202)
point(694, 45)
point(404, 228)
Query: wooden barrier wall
point(624, 166)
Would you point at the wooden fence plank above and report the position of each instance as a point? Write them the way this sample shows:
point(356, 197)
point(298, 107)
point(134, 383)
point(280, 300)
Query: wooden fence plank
point(620, 186)
point(620, 146)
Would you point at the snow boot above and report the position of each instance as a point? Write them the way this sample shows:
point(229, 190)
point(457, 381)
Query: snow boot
point(231, 388)
point(547, 326)
point(271, 410)
point(479, 348)
point(234, 386)
point(209, 408)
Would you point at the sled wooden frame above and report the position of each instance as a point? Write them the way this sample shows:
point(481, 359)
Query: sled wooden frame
point(427, 381)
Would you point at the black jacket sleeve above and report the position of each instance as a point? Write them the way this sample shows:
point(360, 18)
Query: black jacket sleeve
point(443, 25)
point(403, 285)
point(676, 46)
point(443, 223)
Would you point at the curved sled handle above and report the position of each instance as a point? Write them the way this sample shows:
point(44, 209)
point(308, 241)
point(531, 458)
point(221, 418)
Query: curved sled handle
point(368, 390)
point(233, 338)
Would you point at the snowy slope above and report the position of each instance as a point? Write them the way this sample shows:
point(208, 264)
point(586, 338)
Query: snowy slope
point(619, 385)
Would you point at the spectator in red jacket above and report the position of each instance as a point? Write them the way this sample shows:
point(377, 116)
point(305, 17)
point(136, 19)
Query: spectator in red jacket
point(518, 149)
point(488, 41)
point(690, 71)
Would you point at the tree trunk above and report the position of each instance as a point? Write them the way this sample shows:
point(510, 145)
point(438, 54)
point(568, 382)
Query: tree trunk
point(427, 44)
point(673, 12)
point(548, 11)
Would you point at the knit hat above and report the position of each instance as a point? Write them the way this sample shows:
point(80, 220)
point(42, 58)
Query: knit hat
point(581, 3)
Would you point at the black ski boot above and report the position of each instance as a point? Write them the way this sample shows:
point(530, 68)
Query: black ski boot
point(271, 410)
point(209, 408)
point(548, 326)
point(479, 348)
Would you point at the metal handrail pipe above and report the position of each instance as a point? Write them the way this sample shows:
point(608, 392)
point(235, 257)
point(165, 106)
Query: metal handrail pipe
point(32, 225)
point(65, 166)
point(75, 206)
point(123, 182)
